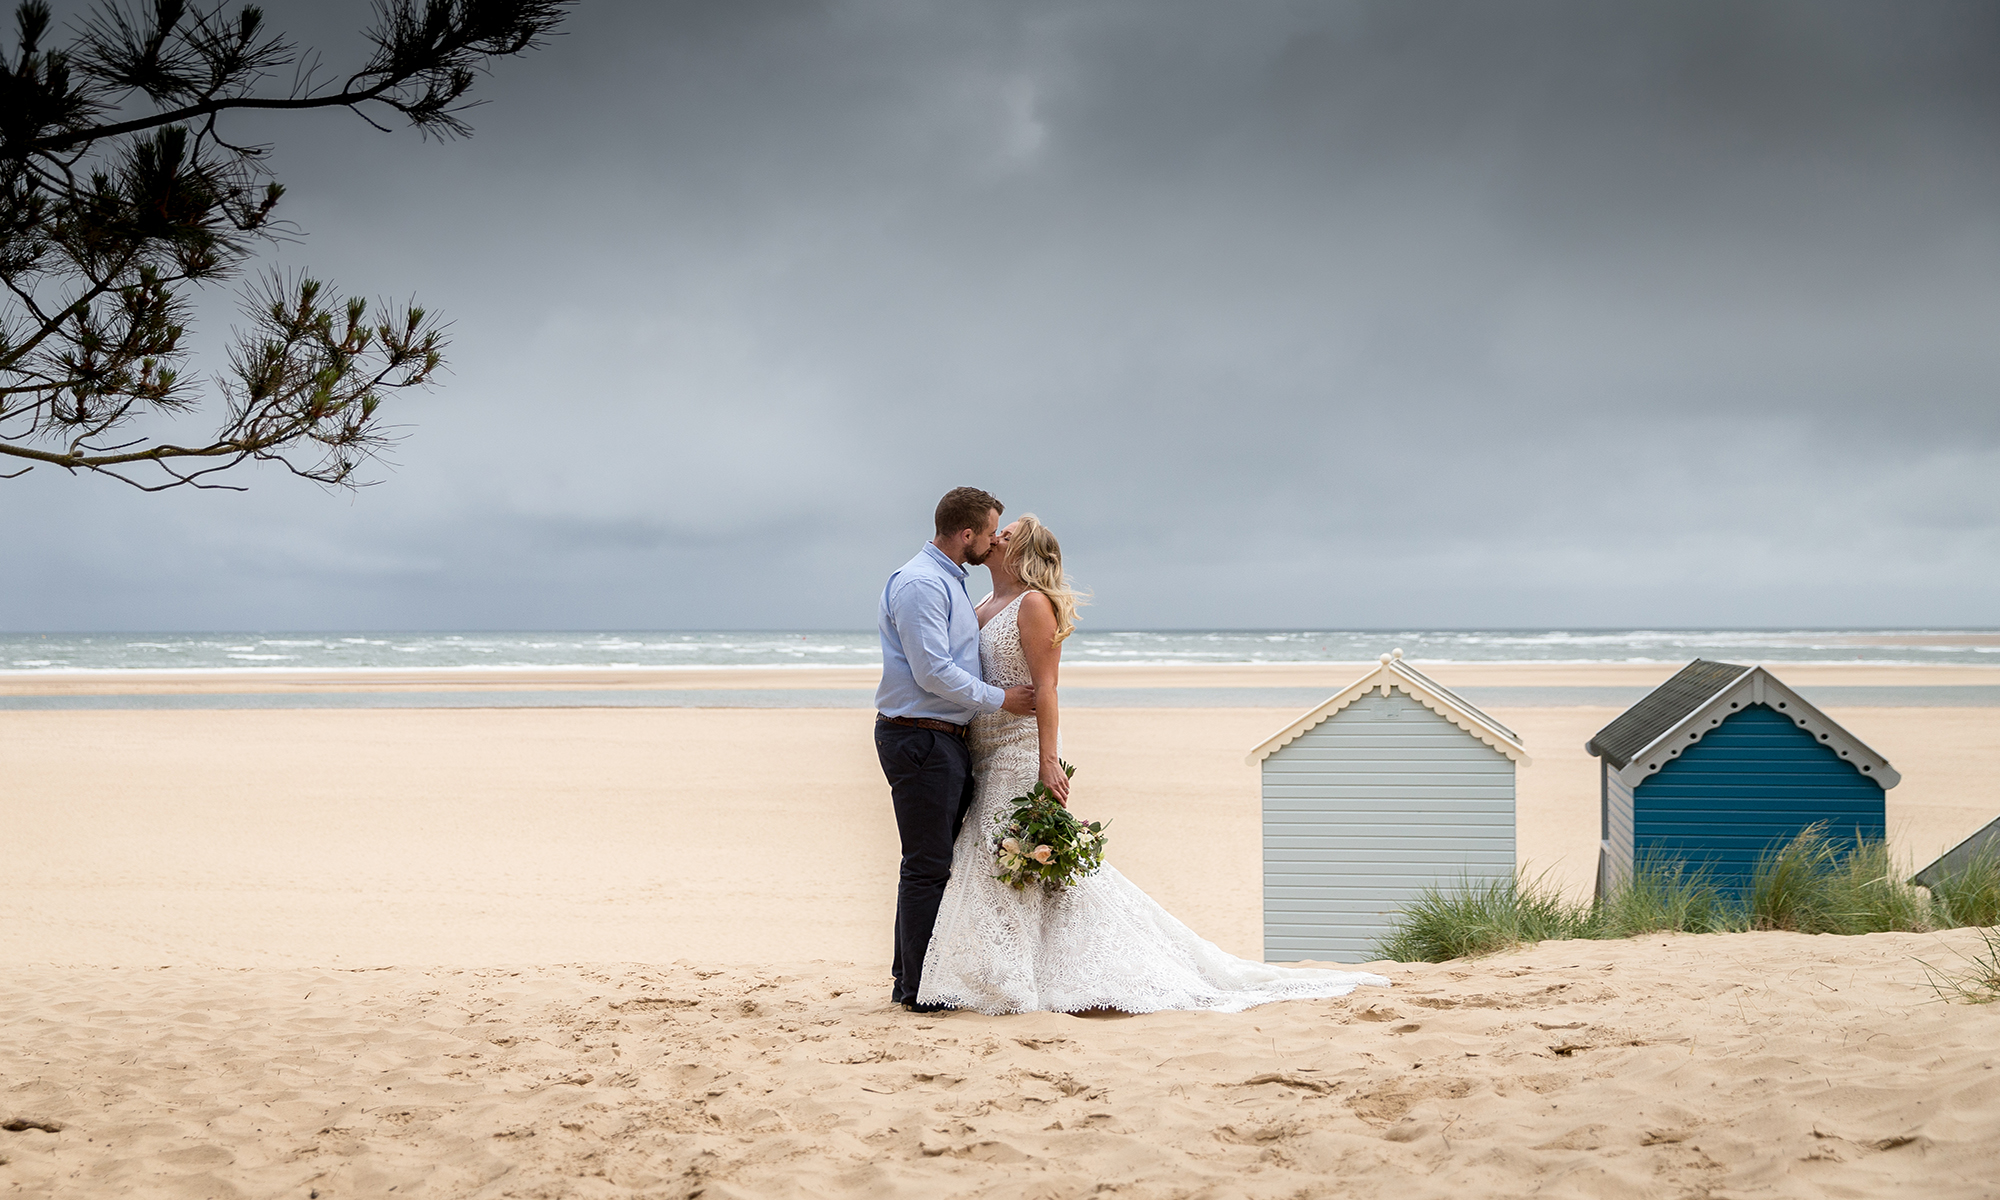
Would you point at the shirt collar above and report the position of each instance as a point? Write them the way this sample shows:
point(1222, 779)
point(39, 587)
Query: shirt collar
point(931, 549)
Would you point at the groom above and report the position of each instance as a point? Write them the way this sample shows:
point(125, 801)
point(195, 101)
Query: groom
point(931, 689)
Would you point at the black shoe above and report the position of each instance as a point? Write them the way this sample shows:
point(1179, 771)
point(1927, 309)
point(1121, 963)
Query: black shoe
point(914, 1007)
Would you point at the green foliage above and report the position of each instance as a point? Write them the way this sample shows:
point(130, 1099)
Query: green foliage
point(1787, 890)
point(1867, 893)
point(1666, 894)
point(1971, 894)
point(1811, 884)
point(1041, 841)
point(1480, 917)
point(122, 190)
point(1978, 981)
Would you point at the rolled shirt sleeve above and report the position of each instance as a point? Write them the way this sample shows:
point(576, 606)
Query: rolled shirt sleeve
point(920, 610)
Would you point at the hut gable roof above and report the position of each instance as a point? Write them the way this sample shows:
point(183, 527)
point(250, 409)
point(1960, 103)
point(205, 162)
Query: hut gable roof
point(1676, 715)
point(1665, 707)
point(1397, 674)
point(1959, 857)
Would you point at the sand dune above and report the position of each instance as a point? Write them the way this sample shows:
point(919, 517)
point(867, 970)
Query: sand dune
point(1752, 1064)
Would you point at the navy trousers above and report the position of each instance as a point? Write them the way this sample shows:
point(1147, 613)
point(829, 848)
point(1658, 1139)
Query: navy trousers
point(930, 784)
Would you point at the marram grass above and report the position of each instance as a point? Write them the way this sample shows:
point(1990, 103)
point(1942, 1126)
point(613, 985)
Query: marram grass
point(1811, 884)
point(1665, 894)
point(1971, 895)
point(1480, 917)
point(1978, 981)
point(1814, 885)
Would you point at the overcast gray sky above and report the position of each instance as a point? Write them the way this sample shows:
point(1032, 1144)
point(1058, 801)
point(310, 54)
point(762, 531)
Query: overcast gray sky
point(1327, 315)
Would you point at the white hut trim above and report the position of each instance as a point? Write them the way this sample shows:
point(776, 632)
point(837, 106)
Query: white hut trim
point(1396, 674)
point(1755, 686)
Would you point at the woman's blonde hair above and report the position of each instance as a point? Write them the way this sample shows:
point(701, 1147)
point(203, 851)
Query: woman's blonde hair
point(1036, 557)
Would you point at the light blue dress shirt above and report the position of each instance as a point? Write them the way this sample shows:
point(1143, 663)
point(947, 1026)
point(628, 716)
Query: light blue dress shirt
point(930, 644)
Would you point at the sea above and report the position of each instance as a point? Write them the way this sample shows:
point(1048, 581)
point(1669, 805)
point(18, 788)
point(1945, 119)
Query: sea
point(475, 651)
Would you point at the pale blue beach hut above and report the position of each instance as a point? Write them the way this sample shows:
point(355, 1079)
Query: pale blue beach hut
point(1394, 785)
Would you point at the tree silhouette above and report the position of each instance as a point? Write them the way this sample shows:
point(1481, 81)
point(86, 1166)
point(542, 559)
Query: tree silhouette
point(119, 192)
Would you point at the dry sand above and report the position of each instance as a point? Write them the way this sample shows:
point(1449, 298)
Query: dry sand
point(466, 837)
point(267, 858)
point(1769, 1065)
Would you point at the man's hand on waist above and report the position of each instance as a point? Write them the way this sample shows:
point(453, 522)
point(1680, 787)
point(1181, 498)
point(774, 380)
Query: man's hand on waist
point(1020, 701)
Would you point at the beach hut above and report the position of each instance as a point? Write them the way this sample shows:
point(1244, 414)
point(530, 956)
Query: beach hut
point(1722, 763)
point(1393, 785)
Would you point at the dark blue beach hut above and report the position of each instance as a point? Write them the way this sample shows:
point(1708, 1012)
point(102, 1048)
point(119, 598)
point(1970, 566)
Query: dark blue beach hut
point(1720, 764)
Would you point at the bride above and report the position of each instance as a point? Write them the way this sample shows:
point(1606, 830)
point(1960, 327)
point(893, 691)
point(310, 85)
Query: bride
point(1101, 943)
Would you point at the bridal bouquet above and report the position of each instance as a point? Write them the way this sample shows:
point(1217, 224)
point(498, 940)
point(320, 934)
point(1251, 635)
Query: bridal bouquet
point(1043, 842)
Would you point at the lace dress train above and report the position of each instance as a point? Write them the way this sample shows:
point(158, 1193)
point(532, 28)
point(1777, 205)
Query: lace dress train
point(1102, 943)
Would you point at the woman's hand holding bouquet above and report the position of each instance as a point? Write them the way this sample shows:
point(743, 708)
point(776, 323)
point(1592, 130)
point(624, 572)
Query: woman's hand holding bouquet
point(1042, 842)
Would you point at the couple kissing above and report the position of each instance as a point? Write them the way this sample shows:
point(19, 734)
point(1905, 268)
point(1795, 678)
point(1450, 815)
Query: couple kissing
point(968, 721)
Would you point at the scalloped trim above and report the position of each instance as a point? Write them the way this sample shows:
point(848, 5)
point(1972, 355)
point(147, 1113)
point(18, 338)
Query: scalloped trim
point(1459, 719)
point(1385, 678)
point(1758, 686)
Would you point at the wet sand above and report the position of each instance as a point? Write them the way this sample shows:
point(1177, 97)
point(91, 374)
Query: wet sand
point(1331, 676)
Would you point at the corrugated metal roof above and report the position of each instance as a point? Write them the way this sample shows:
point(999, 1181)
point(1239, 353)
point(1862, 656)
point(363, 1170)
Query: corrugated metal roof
point(1663, 708)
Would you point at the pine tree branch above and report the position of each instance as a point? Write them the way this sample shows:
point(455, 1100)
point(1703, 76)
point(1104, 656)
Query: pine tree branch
point(107, 216)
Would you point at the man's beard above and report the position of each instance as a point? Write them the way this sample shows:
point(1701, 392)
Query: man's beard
point(980, 560)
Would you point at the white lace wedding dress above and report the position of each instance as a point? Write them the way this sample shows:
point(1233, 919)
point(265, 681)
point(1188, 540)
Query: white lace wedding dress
point(1101, 943)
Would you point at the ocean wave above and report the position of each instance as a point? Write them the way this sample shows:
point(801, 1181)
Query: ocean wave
point(651, 649)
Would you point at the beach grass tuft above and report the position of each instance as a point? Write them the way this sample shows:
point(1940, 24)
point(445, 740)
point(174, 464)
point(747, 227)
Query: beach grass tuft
point(1978, 982)
point(1815, 884)
point(1479, 917)
point(1811, 884)
point(1868, 893)
point(1971, 894)
point(1789, 888)
point(1666, 894)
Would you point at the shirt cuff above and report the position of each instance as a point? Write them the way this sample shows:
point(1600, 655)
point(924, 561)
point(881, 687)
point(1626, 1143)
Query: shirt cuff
point(994, 701)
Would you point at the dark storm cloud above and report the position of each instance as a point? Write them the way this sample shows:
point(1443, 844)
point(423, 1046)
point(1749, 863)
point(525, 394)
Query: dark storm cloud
point(1307, 314)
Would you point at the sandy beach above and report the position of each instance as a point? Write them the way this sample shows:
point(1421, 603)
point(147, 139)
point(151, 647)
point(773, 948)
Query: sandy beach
point(438, 667)
point(249, 952)
point(1741, 1065)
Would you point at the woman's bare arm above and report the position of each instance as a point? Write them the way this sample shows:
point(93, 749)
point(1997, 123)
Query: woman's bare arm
point(1037, 620)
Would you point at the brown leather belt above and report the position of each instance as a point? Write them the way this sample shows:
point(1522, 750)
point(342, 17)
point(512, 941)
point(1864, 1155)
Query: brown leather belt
point(926, 723)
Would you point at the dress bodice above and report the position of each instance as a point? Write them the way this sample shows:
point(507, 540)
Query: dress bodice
point(1001, 737)
point(1001, 659)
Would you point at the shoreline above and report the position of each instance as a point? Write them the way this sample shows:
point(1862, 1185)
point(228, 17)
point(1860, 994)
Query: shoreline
point(1328, 675)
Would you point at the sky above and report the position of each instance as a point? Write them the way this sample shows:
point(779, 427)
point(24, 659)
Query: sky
point(1282, 315)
